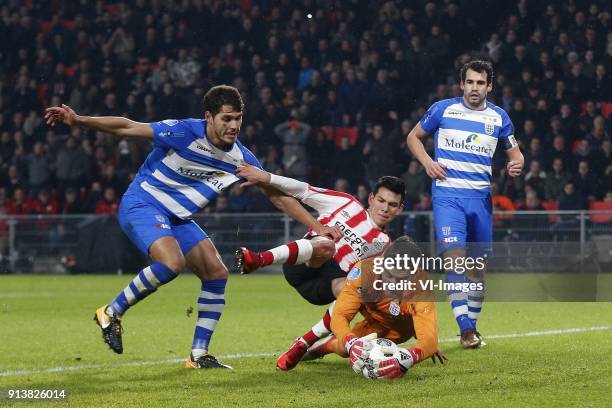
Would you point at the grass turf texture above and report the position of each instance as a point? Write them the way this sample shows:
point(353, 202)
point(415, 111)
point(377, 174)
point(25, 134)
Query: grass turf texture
point(46, 322)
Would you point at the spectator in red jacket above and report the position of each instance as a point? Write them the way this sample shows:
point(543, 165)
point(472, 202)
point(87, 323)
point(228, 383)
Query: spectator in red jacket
point(45, 204)
point(109, 203)
point(21, 204)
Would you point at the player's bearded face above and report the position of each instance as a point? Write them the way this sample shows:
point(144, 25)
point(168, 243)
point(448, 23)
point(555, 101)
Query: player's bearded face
point(475, 88)
point(225, 126)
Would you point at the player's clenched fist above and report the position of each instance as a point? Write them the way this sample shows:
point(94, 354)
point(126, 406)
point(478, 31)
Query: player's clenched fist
point(358, 350)
point(514, 168)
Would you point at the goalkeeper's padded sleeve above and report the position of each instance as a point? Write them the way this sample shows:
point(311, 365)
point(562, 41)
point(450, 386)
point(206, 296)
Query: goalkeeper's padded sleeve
point(347, 306)
point(425, 328)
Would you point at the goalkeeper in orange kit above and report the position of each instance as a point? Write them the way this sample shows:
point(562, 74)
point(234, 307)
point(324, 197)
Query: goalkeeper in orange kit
point(397, 315)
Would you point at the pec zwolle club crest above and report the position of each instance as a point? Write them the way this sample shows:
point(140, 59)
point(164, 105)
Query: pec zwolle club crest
point(489, 128)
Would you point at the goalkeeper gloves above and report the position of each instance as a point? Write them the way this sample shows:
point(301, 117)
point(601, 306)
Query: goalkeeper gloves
point(358, 350)
point(396, 366)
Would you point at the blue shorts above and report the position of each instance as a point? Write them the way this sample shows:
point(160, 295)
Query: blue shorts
point(144, 223)
point(459, 221)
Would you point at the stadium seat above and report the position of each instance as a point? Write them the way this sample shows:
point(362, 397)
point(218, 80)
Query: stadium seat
point(111, 9)
point(606, 109)
point(45, 26)
point(351, 132)
point(69, 24)
point(70, 70)
point(551, 205)
point(599, 206)
point(41, 92)
point(337, 133)
point(329, 132)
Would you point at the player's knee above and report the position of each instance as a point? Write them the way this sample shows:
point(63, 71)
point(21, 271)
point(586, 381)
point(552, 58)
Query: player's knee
point(176, 263)
point(218, 272)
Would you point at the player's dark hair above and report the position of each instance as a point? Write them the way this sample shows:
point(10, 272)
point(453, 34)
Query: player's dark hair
point(221, 95)
point(392, 183)
point(403, 245)
point(479, 66)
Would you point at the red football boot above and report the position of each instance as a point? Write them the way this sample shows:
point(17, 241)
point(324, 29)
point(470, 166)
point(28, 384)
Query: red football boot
point(293, 356)
point(247, 261)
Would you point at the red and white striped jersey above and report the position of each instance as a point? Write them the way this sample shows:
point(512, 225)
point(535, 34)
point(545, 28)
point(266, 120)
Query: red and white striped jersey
point(362, 237)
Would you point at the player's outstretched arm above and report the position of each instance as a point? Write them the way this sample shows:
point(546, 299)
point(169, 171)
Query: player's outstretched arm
point(323, 201)
point(115, 125)
point(293, 208)
point(413, 140)
point(255, 176)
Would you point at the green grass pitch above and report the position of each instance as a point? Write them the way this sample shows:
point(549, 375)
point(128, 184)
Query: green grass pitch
point(48, 340)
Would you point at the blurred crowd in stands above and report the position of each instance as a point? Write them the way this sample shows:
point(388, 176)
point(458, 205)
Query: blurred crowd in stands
point(329, 98)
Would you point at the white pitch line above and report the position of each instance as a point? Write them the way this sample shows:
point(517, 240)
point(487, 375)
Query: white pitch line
point(132, 364)
point(270, 354)
point(537, 333)
point(16, 295)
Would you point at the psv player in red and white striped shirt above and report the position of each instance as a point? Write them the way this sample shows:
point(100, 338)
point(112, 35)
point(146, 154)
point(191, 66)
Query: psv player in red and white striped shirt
point(315, 265)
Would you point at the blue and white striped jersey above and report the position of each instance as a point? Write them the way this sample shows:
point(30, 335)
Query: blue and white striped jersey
point(184, 171)
point(465, 141)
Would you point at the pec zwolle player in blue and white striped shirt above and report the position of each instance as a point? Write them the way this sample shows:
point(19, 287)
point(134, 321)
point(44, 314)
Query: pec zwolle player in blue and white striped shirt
point(466, 132)
point(192, 161)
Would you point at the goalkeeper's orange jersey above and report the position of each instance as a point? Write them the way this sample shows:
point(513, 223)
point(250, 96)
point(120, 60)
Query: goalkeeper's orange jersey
point(395, 320)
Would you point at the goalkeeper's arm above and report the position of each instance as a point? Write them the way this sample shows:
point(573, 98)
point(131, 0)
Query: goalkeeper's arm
point(347, 305)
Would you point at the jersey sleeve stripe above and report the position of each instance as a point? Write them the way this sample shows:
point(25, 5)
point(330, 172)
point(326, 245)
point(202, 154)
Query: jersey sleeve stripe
point(166, 200)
